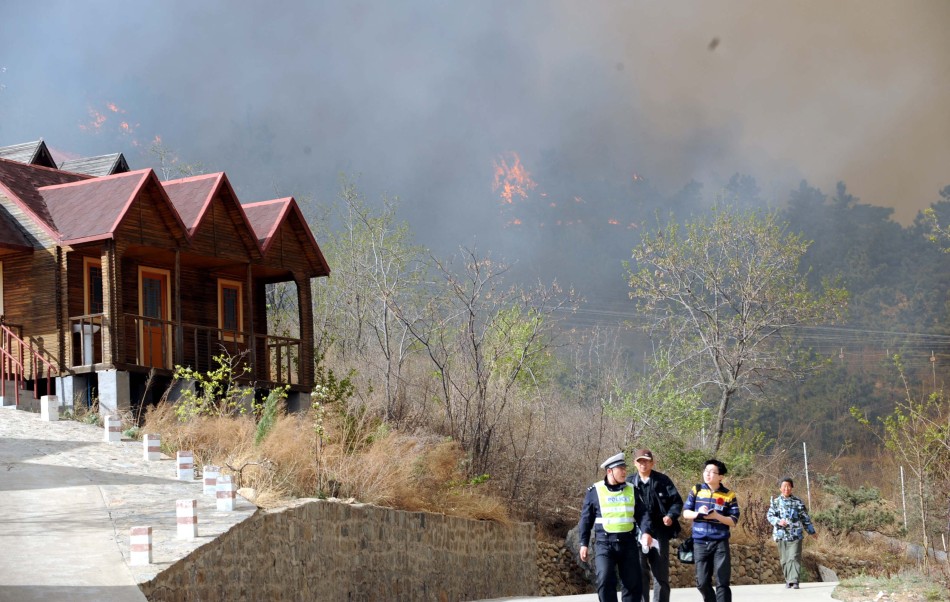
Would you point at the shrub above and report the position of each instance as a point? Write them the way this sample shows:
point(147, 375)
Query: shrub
point(216, 392)
point(855, 510)
point(270, 412)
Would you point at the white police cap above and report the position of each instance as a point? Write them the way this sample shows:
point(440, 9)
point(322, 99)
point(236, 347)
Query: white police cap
point(614, 461)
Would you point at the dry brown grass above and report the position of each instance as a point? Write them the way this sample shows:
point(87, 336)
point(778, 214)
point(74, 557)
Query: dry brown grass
point(355, 459)
point(212, 439)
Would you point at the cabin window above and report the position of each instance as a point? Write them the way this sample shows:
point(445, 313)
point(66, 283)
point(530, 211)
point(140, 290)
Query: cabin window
point(92, 277)
point(230, 309)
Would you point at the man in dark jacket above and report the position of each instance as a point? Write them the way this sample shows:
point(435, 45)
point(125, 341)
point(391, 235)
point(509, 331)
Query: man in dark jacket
point(658, 499)
point(609, 509)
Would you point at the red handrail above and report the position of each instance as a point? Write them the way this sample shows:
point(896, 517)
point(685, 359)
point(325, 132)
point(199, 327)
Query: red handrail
point(10, 365)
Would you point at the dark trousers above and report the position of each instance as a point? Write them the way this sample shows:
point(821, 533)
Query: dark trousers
point(712, 557)
point(657, 564)
point(613, 556)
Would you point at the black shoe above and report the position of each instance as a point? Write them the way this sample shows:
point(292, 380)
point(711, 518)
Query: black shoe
point(788, 586)
point(794, 586)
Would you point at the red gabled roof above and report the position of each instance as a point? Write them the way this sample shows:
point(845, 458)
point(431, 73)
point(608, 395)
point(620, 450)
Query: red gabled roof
point(11, 237)
point(192, 197)
point(20, 181)
point(93, 209)
point(266, 217)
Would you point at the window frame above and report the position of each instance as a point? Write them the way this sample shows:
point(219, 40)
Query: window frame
point(87, 263)
point(228, 334)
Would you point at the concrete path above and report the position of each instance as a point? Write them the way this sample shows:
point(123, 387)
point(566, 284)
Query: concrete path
point(68, 500)
point(809, 592)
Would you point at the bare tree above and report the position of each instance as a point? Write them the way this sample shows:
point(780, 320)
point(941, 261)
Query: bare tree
point(724, 292)
point(375, 265)
point(918, 434)
point(169, 163)
point(487, 341)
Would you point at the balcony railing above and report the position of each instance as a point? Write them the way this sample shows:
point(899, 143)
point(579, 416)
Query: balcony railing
point(157, 343)
point(21, 360)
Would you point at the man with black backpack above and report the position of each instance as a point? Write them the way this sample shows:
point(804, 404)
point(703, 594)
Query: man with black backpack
point(657, 497)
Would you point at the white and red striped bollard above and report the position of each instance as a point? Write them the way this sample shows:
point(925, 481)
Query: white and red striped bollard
point(186, 465)
point(140, 548)
point(113, 428)
point(152, 447)
point(49, 408)
point(186, 514)
point(226, 493)
point(210, 479)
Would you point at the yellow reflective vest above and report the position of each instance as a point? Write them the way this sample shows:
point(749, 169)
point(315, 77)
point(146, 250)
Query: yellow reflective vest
point(616, 508)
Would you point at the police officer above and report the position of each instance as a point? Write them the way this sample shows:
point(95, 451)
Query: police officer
point(609, 509)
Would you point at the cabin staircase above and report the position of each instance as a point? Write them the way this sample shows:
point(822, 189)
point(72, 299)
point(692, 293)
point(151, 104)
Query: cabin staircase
point(25, 374)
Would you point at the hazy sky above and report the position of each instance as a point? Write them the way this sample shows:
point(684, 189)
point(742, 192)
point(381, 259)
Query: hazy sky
point(421, 99)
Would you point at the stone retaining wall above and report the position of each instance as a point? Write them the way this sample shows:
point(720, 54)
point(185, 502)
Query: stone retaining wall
point(560, 575)
point(328, 550)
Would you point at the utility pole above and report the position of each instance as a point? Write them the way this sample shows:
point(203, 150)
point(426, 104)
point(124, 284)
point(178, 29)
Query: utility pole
point(807, 482)
point(903, 498)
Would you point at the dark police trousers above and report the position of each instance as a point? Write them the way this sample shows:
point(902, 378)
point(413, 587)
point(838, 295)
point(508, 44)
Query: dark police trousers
point(713, 557)
point(617, 553)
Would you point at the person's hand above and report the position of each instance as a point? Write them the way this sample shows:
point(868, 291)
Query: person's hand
point(719, 517)
point(648, 539)
point(583, 553)
point(783, 523)
point(667, 521)
point(702, 510)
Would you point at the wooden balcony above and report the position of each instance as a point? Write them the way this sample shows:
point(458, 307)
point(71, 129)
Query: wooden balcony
point(143, 343)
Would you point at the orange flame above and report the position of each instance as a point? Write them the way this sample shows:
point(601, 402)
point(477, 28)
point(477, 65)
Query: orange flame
point(613, 222)
point(511, 177)
point(97, 120)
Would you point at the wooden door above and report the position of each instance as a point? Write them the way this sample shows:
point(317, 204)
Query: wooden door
point(155, 342)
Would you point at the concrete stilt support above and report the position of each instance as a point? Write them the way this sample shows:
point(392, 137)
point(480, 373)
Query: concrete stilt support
point(151, 447)
point(28, 403)
point(179, 388)
point(73, 390)
point(226, 493)
point(140, 545)
point(186, 513)
point(112, 426)
point(49, 408)
point(186, 466)
point(298, 401)
point(8, 394)
point(210, 479)
point(114, 392)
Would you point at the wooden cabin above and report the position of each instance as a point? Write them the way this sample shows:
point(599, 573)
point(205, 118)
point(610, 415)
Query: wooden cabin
point(107, 282)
